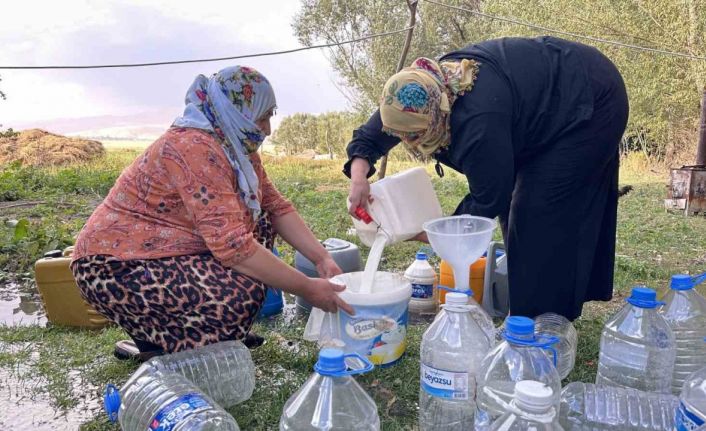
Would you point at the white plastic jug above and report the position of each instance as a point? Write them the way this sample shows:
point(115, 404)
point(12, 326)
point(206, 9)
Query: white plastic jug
point(401, 204)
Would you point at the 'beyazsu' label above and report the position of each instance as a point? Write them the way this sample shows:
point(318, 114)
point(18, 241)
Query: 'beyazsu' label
point(688, 420)
point(176, 411)
point(444, 384)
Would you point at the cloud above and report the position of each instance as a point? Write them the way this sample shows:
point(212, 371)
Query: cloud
point(116, 32)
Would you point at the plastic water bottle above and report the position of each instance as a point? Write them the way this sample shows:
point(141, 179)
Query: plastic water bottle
point(685, 311)
point(520, 357)
point(422, 277)
point(692, 403)
point(224, 371)
point(637, 346)
point(560, 327)
point(162, 400)
point(532, 408)
point(452, 350)
point(331, 399)
point(585, 406)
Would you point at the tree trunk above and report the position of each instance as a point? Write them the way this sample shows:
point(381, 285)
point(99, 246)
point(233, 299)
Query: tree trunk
point(412, 5)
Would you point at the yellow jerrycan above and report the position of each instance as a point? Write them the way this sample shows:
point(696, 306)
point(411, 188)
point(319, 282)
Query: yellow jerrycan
point(62, 301)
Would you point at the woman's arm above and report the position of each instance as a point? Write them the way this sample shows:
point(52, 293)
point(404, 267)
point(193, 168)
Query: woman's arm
point(369, 143)
point(263, 265)
point(292, 229)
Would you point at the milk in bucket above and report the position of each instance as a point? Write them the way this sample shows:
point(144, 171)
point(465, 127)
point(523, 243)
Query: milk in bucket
point(379, 327)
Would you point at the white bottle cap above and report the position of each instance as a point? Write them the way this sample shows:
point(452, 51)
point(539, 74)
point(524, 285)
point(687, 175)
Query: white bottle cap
point(532, 396)
point(455, 298)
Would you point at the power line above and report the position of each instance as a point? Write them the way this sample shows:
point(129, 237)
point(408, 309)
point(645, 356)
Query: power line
point(204, 60)
point(567, 33)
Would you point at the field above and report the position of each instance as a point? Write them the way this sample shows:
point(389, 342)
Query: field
point(65, 370)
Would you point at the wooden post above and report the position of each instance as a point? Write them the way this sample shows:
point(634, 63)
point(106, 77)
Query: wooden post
point(412, 6)
point(701, 147)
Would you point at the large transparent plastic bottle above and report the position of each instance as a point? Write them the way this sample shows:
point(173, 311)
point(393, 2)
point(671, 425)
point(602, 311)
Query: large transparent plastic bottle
point(588, 407)
point(637, 346)
point(692, 402)
point(560, 327)
point(331, 399)
point(685, 311)
point(224, 371)
point(531, 409)
point(520, 357)
point(452, 350)
point(163, 400)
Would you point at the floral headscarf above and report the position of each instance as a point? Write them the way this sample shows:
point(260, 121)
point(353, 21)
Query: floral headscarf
point(228, 104)
point(416, 102)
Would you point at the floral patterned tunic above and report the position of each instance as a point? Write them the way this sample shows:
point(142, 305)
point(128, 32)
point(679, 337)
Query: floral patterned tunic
point(178, 198)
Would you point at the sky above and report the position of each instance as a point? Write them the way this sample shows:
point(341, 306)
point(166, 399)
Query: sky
point(127, 31)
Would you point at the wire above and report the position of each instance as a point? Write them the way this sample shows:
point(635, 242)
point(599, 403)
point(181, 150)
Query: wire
point(204, 60)
point(567, 33)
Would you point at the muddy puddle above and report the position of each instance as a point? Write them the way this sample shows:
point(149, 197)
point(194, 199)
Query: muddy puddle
point(25, 403)
point(20, 303)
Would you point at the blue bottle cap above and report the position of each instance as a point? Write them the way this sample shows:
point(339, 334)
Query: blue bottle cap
point(331, 361)
point(682, 282)
point(111, 402)
point(421, 255)
point(644, 297)
point(519, 325)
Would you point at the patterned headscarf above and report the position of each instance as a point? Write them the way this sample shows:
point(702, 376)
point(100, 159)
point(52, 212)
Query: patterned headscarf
point(416, 102)
point(228, 104)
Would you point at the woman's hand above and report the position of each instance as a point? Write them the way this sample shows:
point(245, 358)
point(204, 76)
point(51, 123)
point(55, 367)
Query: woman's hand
point(359, 194)
point(322, 294)
point(328, 267)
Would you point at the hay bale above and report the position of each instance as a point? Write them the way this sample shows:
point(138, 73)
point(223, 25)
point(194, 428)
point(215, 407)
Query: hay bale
point(37, 147)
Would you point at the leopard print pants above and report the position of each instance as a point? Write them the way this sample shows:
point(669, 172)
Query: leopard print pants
point(177, 303)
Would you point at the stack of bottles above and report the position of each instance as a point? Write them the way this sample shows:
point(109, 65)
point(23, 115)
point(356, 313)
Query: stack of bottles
point(186, 390)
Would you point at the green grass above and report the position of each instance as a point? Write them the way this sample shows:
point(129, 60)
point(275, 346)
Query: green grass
point(68, 365)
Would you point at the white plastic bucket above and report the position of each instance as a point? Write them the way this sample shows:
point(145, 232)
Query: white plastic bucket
point(401, 204)
point(379, 328)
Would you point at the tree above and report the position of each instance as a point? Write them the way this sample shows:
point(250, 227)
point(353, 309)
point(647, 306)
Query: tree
point(664, 91)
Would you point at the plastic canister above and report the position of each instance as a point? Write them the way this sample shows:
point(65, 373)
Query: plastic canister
point(344, 253)
point(476, 277)
point(401, 204)
point(60, 295)
point(378, 329)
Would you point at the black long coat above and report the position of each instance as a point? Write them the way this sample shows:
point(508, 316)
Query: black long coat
point(537, 138)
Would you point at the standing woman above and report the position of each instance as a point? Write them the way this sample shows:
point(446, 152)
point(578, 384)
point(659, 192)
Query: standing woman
point(179, 252)
point(534, 125)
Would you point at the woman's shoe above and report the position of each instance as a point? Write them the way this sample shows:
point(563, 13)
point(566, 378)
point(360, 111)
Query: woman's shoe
point(253, 341)
point(126, 349)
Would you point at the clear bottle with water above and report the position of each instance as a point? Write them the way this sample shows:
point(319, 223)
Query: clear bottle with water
point(161, 400)
point(331, 399)
point(588, 407)
point(691, 414)
point(531, 409)
point(560, 327)
point(224, 371)
point(521, 356)
point(452, 350)
point(637, 346)
point(685, 311)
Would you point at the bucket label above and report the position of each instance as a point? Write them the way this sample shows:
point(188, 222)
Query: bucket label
point(688, 420)
point(365, 329)
point(376, 331)
point(169, 417)
point(422, 291)
point(444, 384)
